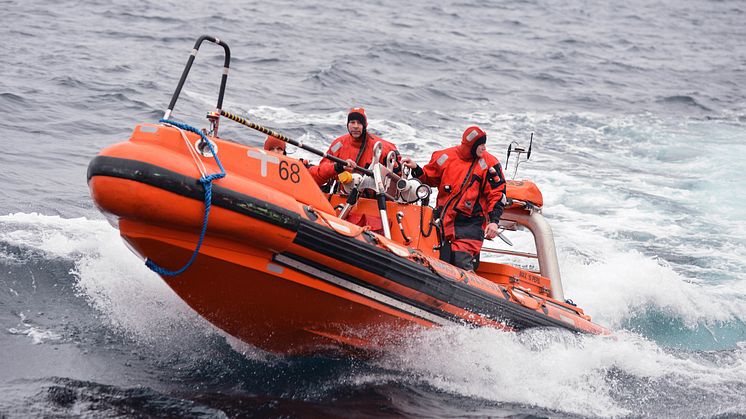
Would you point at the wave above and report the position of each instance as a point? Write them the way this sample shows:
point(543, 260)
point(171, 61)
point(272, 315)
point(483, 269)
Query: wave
point(37, 334)
point(625, 288)
point(12, 99)
point(584, 375)
point(67, 397)
point(615, 287)
point(685, 100)
point(110, 277)
point(333, 75)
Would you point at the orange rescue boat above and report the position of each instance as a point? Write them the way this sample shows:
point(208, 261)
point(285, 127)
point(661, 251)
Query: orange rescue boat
point(280, 266)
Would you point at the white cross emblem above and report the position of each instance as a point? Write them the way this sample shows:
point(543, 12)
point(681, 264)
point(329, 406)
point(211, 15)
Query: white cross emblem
point(264, 158)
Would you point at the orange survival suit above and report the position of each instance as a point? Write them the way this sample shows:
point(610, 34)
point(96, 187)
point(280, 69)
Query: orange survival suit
point(347, 147)
point(471, 193)
point(361, 152)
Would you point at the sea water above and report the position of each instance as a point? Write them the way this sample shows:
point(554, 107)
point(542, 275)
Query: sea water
point(638, 112)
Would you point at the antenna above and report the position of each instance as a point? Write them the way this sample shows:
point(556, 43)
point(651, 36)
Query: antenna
point(516, 148)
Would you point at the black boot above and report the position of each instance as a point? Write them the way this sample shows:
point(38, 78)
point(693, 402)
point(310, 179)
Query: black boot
point(463, 260)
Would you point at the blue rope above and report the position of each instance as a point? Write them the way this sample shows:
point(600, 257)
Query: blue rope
point(206, 182)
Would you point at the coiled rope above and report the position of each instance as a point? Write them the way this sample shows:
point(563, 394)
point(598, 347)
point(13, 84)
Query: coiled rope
point(206, 181)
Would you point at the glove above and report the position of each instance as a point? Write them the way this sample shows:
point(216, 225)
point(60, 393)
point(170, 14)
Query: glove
point(496, 213)
point(339, 167)
point(345, 177)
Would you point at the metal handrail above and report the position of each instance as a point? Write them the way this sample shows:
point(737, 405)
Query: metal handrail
point(510, 252)
point(192, 56)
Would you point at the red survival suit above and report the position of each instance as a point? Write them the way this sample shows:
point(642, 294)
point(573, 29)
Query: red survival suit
point(345, 147)
point(361, 152)
point(471, 193)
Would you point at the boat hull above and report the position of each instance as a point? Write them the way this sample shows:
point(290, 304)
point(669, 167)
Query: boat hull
point(278, 270)
point(246, 293)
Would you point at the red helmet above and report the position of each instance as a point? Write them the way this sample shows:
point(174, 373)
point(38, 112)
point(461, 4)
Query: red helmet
point(273, 142)
point(357, 114)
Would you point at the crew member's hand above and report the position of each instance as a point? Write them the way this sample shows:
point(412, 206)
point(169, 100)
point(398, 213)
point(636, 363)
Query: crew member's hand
point(491, 231)
point(349, 165)
point(408, 162)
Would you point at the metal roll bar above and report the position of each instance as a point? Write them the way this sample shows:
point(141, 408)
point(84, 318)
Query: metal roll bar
point(190, 60)
point(546, 253)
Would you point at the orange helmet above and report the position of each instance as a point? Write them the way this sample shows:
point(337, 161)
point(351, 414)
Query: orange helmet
point(273, 142)
point(357, 114)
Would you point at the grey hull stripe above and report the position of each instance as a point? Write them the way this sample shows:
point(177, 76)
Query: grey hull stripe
point(373, 295)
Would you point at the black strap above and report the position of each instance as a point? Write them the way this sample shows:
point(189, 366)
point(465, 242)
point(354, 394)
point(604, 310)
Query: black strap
point(362, 148)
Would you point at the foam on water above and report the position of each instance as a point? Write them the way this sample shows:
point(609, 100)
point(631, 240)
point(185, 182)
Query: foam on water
point(585, 375)
point(459, 360)
point(114, 281)
point(634, 232)
point(37, 334)
point(627, 284)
